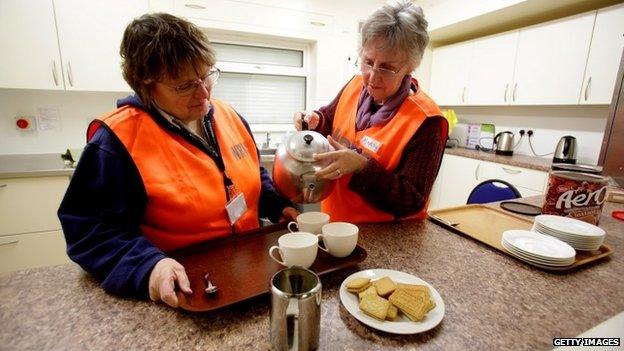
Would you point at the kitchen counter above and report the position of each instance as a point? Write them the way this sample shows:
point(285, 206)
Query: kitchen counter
point(530, 162)
point(493, 302)
point(33, 165)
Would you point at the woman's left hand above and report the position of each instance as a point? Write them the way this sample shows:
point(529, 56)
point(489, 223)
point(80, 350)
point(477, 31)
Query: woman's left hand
point(343, 161)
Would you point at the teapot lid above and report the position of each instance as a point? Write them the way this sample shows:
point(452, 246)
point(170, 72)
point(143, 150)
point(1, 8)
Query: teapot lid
point(302, 145)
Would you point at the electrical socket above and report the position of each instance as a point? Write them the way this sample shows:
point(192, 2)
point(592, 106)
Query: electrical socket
point(521, 132)
point(530, 133)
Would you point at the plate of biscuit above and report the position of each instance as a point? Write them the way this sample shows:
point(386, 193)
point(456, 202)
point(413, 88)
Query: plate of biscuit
point(392, 301)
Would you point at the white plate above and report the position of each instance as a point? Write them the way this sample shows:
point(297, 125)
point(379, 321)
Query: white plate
point(512, 251)
point(569, 225)
point(538, 244)
point(402, 325)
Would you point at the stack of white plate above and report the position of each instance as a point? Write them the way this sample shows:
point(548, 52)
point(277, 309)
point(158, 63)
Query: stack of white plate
point(538, 249)
point(580, 235)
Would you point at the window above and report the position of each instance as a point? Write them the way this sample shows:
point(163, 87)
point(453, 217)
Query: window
point(266, 85)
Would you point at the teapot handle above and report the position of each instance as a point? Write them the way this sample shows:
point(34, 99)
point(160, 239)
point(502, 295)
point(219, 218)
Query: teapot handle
point(304, 124)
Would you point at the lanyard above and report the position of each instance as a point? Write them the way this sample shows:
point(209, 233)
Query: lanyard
point(212, 141)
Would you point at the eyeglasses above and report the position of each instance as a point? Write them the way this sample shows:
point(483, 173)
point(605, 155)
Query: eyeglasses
point(190, 87)
point(365, 68)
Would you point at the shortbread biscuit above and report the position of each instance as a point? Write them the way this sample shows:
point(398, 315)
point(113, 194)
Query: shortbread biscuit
point(375, 306)
point(357, 283)
point(371, 290)
point(392, 313)
point(414, 307)
point(385, 286)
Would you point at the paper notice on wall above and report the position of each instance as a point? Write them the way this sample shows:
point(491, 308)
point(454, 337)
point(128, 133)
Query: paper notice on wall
point(48, 119)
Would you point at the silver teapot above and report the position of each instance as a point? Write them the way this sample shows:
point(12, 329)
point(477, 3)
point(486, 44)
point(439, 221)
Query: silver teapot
point(294, 168)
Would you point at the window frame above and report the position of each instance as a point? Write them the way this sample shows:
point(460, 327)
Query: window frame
point(306, 47)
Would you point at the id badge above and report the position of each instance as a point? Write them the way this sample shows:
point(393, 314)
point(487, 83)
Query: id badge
point(236, 208)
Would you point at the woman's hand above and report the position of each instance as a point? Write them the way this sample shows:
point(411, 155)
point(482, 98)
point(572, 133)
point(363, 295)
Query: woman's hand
point(290, 214)
point(311, 117)
point(343, 161)
point(168, 273)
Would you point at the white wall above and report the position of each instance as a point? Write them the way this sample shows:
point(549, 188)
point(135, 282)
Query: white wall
point(75, 110)
point(549, 123)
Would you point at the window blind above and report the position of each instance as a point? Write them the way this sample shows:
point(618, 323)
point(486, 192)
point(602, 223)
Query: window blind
point(262, 98)
point(258, 55)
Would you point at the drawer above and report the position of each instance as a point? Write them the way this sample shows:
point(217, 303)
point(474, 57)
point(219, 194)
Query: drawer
point(29, 204)
point(520, 177)
point(32, 250)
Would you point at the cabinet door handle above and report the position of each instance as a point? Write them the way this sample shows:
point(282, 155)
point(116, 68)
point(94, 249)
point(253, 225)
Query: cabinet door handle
point(477, 171)
point(511, 171)
point(195, 6)
point(3, 186)
point(464, 95)
point(54, 73)
point(506, 88)
point(9, 243)
point(587, 88)
point(514, 92)
point(70, 76)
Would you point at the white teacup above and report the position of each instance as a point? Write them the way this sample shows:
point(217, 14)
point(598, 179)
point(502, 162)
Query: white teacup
point(296, 249)
point(339, 238)
point(309, 222)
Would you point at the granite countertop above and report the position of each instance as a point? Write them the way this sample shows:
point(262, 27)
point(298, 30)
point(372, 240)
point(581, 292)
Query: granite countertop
point(493, 302)
point(530, 162)
point(33, 165)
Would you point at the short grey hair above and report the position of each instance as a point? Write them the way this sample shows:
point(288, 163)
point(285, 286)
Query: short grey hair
point(402, 25)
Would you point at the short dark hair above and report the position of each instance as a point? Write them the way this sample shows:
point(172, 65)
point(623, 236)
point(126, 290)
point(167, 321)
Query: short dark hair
point(156, 45)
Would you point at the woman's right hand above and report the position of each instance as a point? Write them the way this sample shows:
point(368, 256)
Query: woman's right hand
point(311, 117)
point(165, 276)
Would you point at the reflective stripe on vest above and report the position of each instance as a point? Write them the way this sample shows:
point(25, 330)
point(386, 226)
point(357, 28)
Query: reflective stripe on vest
point(383, 143)
point(186, 197)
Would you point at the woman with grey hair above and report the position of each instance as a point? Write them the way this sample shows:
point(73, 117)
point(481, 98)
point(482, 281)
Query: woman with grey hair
point(388, 135)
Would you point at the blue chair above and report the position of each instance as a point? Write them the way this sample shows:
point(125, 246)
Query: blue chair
point(492, 190)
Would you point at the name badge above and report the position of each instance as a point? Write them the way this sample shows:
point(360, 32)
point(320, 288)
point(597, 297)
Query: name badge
point(236, 208)
point(370, 143)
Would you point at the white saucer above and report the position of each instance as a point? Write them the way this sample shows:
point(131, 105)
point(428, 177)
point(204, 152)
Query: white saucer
point(539, 245)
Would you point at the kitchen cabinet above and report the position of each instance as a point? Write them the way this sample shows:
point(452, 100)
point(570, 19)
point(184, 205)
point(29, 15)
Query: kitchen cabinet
point(65, 44)
point(30, 57)
point(30, 232)
point(569, 61)
point(492, 70)
point(234, 15)
point(450, 73)
point(604, 56)
point(459, 175)
point(551, 60)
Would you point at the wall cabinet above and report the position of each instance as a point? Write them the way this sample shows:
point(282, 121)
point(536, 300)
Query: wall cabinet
point(30, 232)
point(551, 60)
point(449, 73)
point(64, 44)
point(546, 64)
point(492, 70)
point(604, 56)
point(459, 175)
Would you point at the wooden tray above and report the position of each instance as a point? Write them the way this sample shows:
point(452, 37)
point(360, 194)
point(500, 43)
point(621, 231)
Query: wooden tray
point(241, 268)
point(487, 224)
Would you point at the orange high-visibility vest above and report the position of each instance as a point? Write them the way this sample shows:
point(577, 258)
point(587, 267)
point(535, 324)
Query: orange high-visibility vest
point(186, 196)
point(383, 143)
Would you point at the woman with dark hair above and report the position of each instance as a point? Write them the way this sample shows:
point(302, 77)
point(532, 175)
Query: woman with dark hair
point(170, 167)
point(388, 134)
